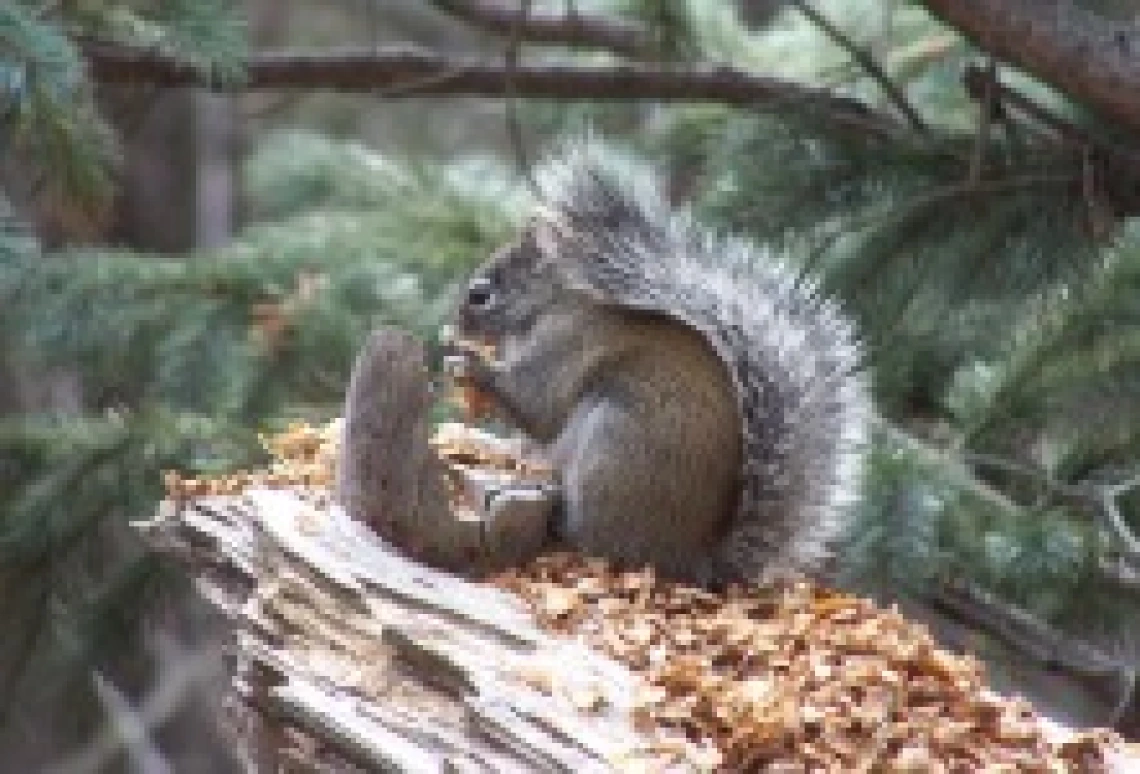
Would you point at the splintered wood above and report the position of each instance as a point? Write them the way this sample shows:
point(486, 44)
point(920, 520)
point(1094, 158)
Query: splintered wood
point(795, 678)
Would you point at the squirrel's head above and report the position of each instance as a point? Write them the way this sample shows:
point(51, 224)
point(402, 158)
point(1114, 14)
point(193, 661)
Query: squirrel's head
point(601, 228)
point(509, 292)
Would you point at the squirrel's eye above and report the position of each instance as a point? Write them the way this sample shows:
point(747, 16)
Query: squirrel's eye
point(480, 293)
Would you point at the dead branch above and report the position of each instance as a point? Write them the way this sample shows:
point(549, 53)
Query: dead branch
point(406, 72)
point(1032, 638)
point(1116, 167)
point(866, 60)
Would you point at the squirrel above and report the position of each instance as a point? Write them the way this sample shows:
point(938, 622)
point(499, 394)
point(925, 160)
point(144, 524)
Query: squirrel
point(701, 400)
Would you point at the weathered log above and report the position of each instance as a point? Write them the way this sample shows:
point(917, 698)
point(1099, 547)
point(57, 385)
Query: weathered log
point(386, 664)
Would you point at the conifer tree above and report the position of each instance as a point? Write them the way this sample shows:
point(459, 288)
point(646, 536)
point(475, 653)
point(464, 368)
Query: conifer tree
point(980, 229)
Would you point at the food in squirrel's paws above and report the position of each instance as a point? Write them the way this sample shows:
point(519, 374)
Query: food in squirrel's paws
point(476, 403)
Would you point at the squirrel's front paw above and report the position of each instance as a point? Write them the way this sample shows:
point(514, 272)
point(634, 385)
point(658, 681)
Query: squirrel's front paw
point(464, 365)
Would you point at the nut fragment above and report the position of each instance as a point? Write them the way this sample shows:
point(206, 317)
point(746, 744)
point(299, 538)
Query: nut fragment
point(475, 403)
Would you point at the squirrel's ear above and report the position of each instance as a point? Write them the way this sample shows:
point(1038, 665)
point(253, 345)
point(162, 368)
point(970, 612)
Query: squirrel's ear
point(576, 260)
point(546, 239)
point(558, 245)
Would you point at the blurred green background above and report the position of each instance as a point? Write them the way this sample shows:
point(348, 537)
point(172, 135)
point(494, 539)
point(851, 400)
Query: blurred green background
point(182, 270)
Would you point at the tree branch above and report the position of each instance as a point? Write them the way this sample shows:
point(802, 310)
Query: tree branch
point(983, 83)
point(404, 72)
point(1094, 60)
point(1115, 167)
point(1095, 498)
point(572, 28)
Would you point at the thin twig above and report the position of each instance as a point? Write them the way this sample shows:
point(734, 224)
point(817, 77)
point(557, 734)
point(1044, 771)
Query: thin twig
point(865, 60)
point(1118, 165)
point(1115, 522)
point(1100, 497)
point(1125, 486)
point(126, 723)
point(1128, 697)
point(985, 121)
point(514, 126)
point(947, 463)
point(1026, 633)
point(1069, 45)
point(976, 81)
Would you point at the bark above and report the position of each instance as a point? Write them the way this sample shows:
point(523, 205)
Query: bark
point(1093, 59)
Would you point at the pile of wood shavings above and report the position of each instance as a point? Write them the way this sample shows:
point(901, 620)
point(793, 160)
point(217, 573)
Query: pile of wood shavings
point(789, 679)
point(797, 678)
point(303, 457)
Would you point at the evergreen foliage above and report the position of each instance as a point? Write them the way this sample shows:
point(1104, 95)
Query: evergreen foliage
point(48, 115)
point(184, 360)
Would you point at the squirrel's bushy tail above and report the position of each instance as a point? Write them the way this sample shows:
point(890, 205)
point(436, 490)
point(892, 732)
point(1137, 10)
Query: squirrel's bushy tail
point(793, 355)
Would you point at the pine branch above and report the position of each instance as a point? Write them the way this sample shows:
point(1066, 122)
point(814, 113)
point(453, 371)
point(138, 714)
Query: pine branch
point(1090, 58)
point(573, 28)
point(1103, 500)
point(403, 71)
